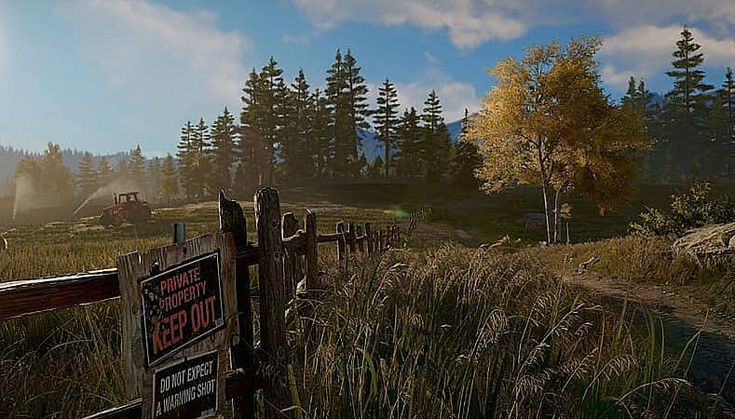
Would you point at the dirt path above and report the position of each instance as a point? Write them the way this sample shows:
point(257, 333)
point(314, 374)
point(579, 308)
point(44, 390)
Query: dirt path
point(712, 367)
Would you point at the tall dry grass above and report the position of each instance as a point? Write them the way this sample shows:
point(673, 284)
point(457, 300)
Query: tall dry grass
point(473, 333)
point(455, 332)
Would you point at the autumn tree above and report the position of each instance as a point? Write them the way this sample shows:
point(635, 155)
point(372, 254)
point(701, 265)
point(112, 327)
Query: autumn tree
point(548, 122)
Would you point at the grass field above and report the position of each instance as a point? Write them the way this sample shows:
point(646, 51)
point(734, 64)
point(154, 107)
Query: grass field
point(431, 330)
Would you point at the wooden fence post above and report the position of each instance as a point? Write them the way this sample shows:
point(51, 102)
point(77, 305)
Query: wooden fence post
point(360, 239)
point(311, 257)
point(290, 226)
point(351, 236)
point(232, 220)
point(276, 392)
point(341, 241)
point(369, 238)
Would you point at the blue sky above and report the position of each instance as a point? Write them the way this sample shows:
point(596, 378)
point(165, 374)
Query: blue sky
point(105, 75)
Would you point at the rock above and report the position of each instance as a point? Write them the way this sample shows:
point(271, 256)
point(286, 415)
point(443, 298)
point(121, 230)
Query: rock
point(714, 240)
point(584, 265)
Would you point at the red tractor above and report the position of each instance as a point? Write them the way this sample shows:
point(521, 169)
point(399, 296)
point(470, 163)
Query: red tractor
point(127, 208)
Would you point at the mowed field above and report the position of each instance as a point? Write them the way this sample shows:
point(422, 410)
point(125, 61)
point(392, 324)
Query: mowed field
point(430, 329)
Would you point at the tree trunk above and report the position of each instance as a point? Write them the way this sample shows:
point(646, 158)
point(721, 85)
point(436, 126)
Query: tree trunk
point(544, 189)
point(557, 195)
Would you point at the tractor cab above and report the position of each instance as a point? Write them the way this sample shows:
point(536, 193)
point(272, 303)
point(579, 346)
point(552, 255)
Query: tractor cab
point(126, 197)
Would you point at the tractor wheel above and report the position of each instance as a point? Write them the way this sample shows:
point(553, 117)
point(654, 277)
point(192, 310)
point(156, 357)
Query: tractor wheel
point(144, 214)
point(116, 221)
point(106, 219)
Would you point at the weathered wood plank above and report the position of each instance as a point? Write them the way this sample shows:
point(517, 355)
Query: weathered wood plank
point(30, 296)
point(276, 393)
point(369, 236)
point(289, 228)
point(232, 220)
point(340, 229)
point(311, 257)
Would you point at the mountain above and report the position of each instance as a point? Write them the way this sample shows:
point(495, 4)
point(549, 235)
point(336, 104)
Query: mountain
point(374, 148)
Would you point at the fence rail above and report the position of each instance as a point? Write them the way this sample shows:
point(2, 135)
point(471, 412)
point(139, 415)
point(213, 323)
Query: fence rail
point(286, 257)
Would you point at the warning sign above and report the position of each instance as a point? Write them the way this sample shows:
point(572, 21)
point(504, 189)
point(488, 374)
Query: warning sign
point(187, 388)
point(180, 306)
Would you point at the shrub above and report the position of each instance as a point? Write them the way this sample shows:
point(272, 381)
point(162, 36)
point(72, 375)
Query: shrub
point(696, 208)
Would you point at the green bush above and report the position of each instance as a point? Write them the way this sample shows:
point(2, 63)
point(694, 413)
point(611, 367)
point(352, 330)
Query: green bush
point(696, 208)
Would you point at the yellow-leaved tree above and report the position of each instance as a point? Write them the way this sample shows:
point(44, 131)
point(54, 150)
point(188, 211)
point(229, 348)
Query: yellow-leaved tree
point(549, 122)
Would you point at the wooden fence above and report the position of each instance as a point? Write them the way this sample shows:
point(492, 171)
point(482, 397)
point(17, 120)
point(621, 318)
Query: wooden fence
point(286, 254)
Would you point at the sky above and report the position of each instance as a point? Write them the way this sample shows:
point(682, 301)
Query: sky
point(107, 75)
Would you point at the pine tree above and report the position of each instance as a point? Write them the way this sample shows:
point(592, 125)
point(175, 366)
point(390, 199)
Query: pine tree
point(435, 146)
point(376, 169)
point(184, 154)
point(224, 133)
point(689, 85)
point(319, 141)
point(687, 108)
point(386, 122)
point(359, 113)
point(201, 166)
point(295, 155)
point(104, 173)
point(86, 177)
point(411, 136)
point(251, 147)
point(338, 106)
point(136, 168)
point(466, 158)
point(728, 98)
point(122, 169)
point(56, 179)
point(153, 178)
point(273, 104)
point(169, 179)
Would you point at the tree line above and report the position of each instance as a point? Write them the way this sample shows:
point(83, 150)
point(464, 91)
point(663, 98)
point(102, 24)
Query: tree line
point(693, 126)
point(292, 133)
point(286, 133)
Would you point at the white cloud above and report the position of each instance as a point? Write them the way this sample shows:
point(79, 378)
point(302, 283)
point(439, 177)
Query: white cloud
point(156, 52)
point(469, 23)
point(430, 58)
point(455, 96)
point(645, 51)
